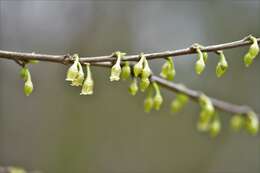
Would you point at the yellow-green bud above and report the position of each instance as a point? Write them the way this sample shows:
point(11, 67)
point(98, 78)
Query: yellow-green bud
point(73, 70)
point(252, 52)
point(252, 123)
point(205, 56)
point(168, 70)
point(215, 127)
point(133, 88)
point(28, 87)
point(88, 85)
point(116, 70)
point(206, 105)
point(148, 104)
point(146, 71)
point(180, 101)
point(200, 63)
point(24, 73)
point(79, 78)
point(222, 65)
point(126, 71)
point(202, 126)
point(138, 67)
point(158, 100)
point(144, 84)
point(237, 122)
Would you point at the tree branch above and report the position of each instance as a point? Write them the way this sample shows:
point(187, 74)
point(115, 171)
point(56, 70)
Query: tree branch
point(106, 61)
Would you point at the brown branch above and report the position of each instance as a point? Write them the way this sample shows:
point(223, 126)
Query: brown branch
point(105, 61)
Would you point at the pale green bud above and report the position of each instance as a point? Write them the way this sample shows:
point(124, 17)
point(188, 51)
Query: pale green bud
point(126, 71)
point(73, 70)
point(79, 78)
point(24, 73)
point(33, 61)
point(133, 88)
point(237, 122)
point(205, 56)
point(206, 105)
point(222, 65)
point(148, 104)
point(144, 84)
point(252, 123)
point(168, 70)
point(158, 100)
point(202, 126)
point(215, 127)
point(180, 101)
point(200, 64)
point(28, 86)
point(146, 72)
point(116, 70)
point(165, 69)
point(138, 67)
point(88, 85)
point(252, 52)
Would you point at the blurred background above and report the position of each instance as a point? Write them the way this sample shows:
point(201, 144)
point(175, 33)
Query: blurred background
point(56, 130)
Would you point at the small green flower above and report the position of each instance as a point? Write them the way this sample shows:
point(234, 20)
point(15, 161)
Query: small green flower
point(158, 100)
point(149, 102)
point(252, 123)
point(80, 76)
point(180, 101)
point(73, 70)
point(133, 88)
point(237, 122)
point(138, 67)
point(144, 84)
point(126, 71)
point(168, 69)
point(88, 85)
point(146, 71)
point(215, 127)
point(222, 65)
point(116, 70)
point(252, 52)
point(28, 86)
point(200, 63)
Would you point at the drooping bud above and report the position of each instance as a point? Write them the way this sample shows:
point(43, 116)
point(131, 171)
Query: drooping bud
point(126, 71)
point(168, 70)
point(138, 67)
point(146, 71)
point(144, 84)
point(28, 87)
point(252, 123)
point(88, 85)
point(148, 102)
point(158, 100)
point(206, 105)
point(133, 88)
point(237, 122)
point(24, 72)
point(252, 52)
point(205, 56)
point(215, 127)
point(73, 70)
point(180, 101)
point(80, 76)
point(222, 65)
point(116, 69)
point(200, 63)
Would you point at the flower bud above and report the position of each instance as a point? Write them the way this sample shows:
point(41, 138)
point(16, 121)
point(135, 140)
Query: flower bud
point(126, 71)
point(202, 126)
point(144, 84)
point(79, 78)
point(88, 85)
point(251, 123)
point(200, 64)
point(252, 52)
point(116, 70)
point(146, 71)
point(24, 73)
point(168, 70)
point(158, 100)
point(215, 127)
point(148, 104)
point(73, 70)
point(138, 67)
point(222, 65)
point(133, 88)
point(237, 122)
point(206, 105)
point(180, 101)
point(205, 56)
point(28, 86)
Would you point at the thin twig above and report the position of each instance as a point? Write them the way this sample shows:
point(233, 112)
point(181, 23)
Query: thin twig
point(106, 61)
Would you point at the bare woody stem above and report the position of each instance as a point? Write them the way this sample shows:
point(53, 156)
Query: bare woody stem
point(105, 61)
